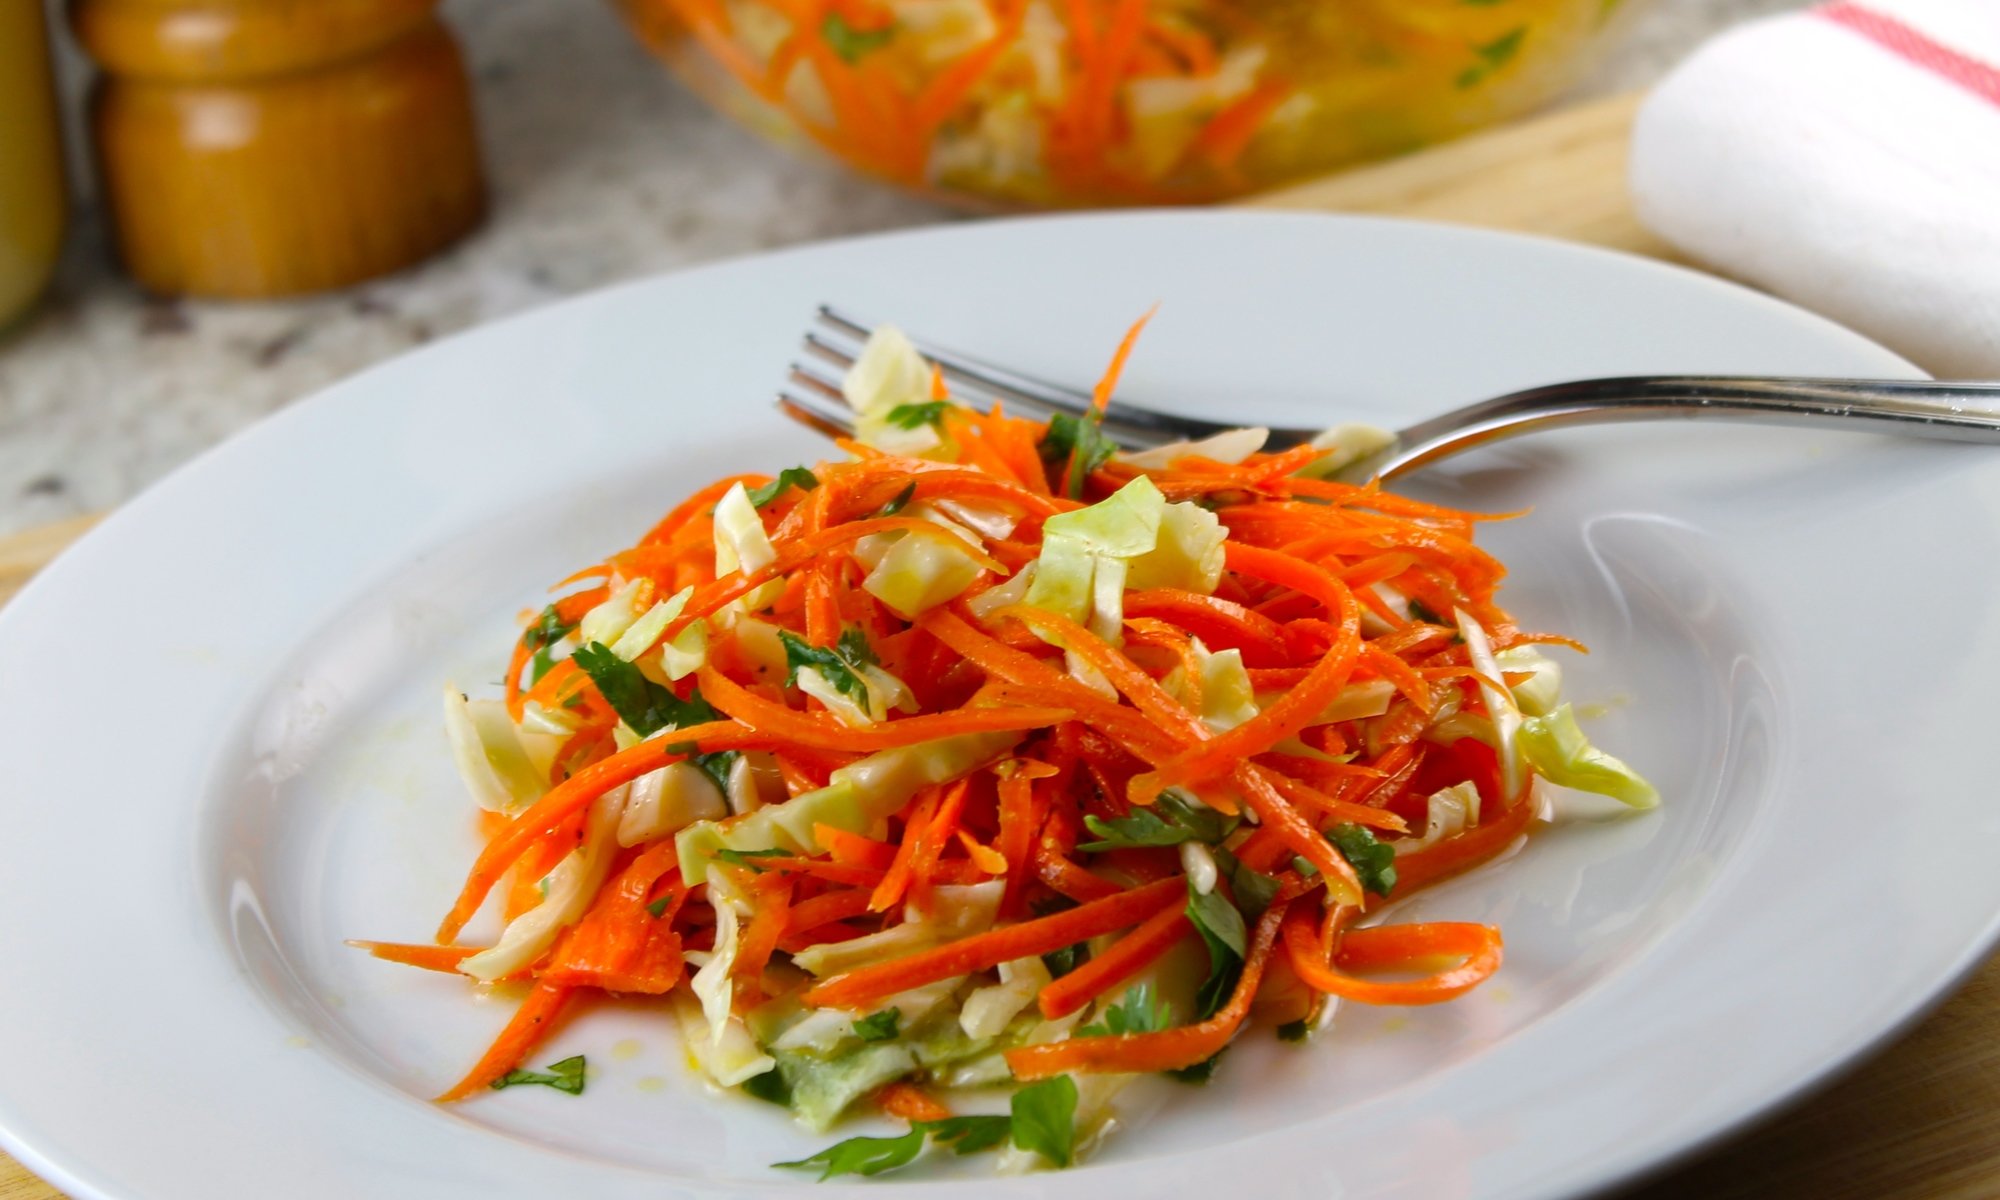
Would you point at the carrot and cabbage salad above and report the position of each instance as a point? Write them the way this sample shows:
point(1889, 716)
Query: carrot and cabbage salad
point(1069, 102)
point(988, 757)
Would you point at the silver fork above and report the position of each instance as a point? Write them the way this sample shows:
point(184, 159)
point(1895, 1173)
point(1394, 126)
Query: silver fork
point(1946, 411)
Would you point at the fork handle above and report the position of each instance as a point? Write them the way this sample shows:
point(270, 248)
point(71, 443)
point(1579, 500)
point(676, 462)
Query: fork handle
point(1946, 411)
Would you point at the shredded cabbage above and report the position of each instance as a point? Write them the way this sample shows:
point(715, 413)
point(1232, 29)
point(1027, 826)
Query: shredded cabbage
point(1082, 569)
point(916, 574)
point(1500, 709)
point(742, 544)
point(989, 1010)
point(1447, 812)
point(613, 615)
point(1229, 446)
point(730, 1057)
point(642, 633)
point(1539, 694)
point(1349, 448)
point(490, 755)
point(667, 801)
point(958, 911)
point(1557, 748)
point(1188, 554)
point(856, 796)
point(889, 374)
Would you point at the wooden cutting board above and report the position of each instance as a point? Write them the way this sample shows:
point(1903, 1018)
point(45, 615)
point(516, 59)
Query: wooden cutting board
point(1916, 1119)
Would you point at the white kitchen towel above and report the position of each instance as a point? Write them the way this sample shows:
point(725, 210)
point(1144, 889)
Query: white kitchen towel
point(1846, 157)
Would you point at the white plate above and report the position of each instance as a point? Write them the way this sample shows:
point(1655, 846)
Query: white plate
point(225, 758)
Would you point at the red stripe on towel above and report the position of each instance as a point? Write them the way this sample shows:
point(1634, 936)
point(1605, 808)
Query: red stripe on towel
point(1979, 78)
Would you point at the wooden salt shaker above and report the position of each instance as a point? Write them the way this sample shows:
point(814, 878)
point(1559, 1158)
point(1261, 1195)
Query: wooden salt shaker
point(253, 148)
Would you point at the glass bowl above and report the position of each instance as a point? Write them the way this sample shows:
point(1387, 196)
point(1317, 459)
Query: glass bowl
point(1068, 103)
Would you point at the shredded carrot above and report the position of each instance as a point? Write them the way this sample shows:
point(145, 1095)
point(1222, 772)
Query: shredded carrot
point(531, 1025)
point(1123, 959)
point(1477, 946)
point(860, 987)
point(1166, 1050)
point(908, 1102)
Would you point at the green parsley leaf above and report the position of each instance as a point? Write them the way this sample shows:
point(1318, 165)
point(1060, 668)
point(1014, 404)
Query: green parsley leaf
point(1223, 932)
point(790, 477)
point(901, 502)
point(1069, 958)
point(1200, 1073)
point(717, 766)
point(864, 1155)
point(879, 1027)
point(564, 1076)
point(1253, 889)
point(639, 702)
point(851, 43)
point(1421, 612)
point(769, 1087)
point(748, 858)
point(841, 667)
point(1501, 50)
point(1168, 822)
point(1294, 1031)
point(1139, 1011)
point(659, 907)
point(1373, 861)
point(1081, 442)
point(970, 1135)
point(1493, 55)
point(548, 629)
point(916, 416)
point(1045, 1119)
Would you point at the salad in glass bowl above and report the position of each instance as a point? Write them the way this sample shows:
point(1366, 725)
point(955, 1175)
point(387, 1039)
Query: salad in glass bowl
point(1065, 103)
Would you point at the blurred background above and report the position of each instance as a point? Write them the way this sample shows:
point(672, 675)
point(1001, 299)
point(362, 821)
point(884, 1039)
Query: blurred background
point(597, 167)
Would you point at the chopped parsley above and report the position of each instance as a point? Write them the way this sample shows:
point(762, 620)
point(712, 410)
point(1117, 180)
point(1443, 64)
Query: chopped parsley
point(1373, 861)
point(970, 1135)
point(916, 416)
point(901, 502)
point(1138, 1011)
point(1223, 932)
point(1081, 442)
point(879, 1027)
point(748, 858)
point(851, 43)
point(864, 1155)
point(1201, 1072)
point(1294, 1031)
point(1045, 1119)
point(1253, 889)
point(1168, 822)
point(548, 629)
point(1493, 56)
point(840, 666)
point(1041, 1118)
point(1069, 958)
point(790, 477)
point(1422, 613)
point(770, 1087)
point(565, 1076)
point(659, 907)
point(648, 708)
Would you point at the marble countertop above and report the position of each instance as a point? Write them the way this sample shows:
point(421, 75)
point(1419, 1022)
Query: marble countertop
point(597, 175)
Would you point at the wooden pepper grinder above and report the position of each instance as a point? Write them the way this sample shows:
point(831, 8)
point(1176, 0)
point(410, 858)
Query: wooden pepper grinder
point(253, 148)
